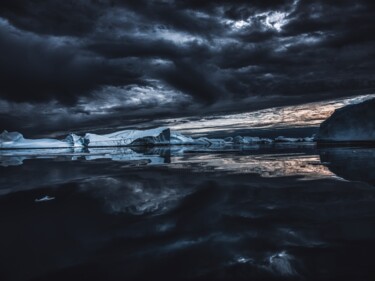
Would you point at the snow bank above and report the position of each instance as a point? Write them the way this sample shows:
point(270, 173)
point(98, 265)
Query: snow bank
point(350, 123)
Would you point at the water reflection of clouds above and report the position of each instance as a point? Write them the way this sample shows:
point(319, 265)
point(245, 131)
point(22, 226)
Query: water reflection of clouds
point(308, 163)
point(134, 196)
point(277, 161)
point(215, 221)
point(266, 165)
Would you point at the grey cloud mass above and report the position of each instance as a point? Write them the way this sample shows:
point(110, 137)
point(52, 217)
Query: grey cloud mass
point(68, 64)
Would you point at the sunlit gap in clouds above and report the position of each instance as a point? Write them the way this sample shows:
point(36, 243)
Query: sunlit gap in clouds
point(269, 20)
point(305, 115)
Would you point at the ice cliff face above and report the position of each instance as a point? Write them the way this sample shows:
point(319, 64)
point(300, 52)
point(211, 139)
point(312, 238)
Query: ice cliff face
point(349, 124)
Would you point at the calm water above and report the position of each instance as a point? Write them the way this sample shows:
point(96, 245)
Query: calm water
point(282, 212)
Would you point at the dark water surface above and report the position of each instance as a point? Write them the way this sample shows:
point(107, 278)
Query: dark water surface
point(241, 213)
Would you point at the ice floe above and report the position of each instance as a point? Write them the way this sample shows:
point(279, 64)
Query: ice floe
point(44, 198)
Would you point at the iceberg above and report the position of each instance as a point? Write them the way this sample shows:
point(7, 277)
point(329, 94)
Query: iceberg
point(178, 139)
point(132, 138)
point(353, 123)
point(157, 136)
point(284, 139)
point(251, 140)
point(15, 140)
point(74, 141)
point(210, 142)
point(43, 199)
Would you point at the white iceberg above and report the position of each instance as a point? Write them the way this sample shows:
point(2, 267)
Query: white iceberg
point(285, 139)
point(178, 139)
point(251, 140)
point(210, 142)
point(15, 140)
point(353, 123)
point(157, 136)
point(43, 199)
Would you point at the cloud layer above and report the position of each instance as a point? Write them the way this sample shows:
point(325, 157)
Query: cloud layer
point(84, 61)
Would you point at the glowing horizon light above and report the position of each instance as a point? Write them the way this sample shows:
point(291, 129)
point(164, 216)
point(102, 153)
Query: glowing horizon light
point(304, 115)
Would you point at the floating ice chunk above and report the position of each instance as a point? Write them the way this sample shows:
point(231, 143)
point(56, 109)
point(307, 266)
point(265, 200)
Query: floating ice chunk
point(210, 142)
point(350, 123)
point(178, 139)
point(158, 136)
point(309, 139)
point(43, 199)
point(284, 139)
point(16, 140)
point(251, 140)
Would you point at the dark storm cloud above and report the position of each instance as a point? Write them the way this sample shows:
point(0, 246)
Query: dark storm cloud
point(39, 69)
point(53, 16)
point(219, 53)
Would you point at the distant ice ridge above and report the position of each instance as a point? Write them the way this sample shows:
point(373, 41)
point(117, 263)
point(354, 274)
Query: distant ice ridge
point(151, 137)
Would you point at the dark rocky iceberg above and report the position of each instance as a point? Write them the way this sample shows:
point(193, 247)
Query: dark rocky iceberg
point(353, 123)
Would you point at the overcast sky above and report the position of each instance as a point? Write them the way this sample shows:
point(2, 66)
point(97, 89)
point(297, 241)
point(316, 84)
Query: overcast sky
point(73, 63)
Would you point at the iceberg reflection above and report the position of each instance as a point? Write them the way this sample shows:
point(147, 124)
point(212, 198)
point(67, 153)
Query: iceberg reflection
point(354, 164)
point(147, 156)
point(266, 161)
